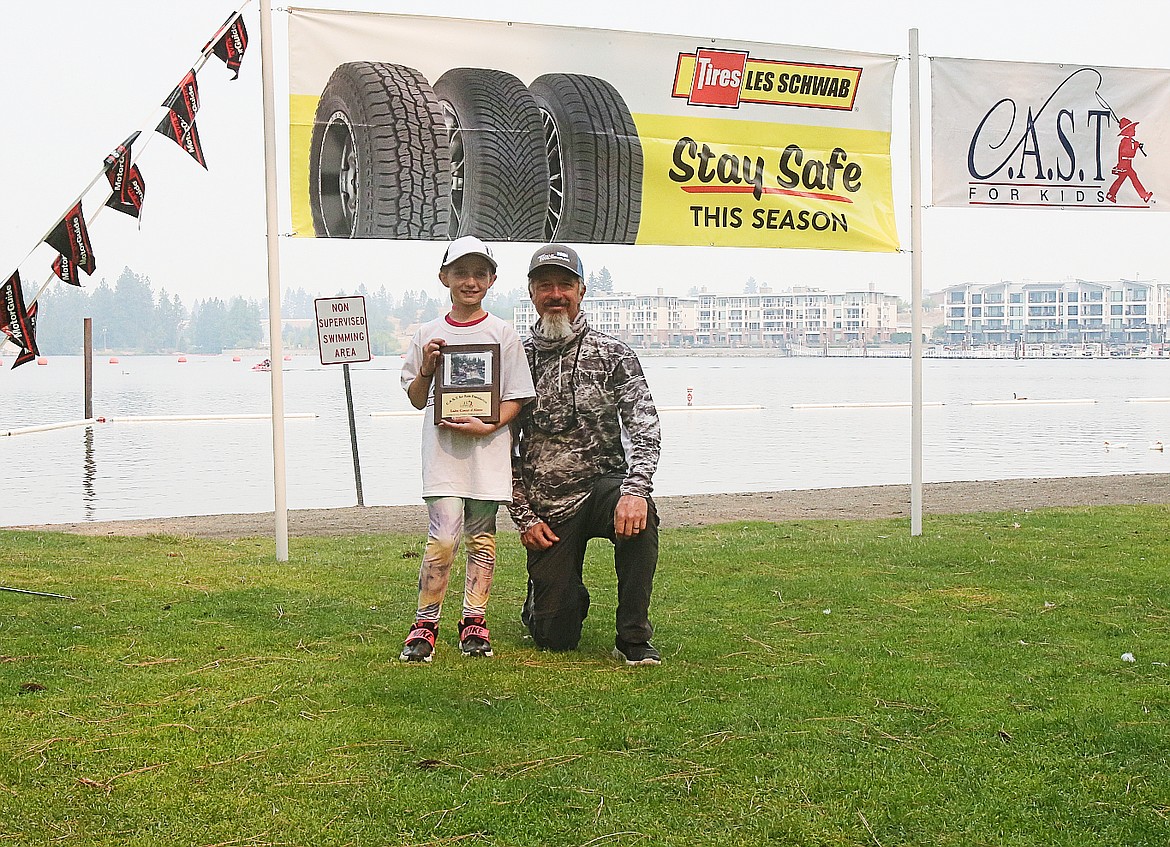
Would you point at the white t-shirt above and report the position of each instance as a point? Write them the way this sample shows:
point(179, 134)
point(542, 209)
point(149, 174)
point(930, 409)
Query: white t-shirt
point(458, 465)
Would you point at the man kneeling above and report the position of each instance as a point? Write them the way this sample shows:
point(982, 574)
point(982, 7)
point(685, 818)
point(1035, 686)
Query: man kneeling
point(586, 454)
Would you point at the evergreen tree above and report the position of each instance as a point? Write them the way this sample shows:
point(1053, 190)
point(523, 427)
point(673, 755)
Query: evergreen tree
point(503, 303)
point(62, 334)
point(166, 330)
point(602, 283)
point(417, 307)
point(131, 312)
point(297, 303)
point(208, 326)
point(101, 309)
point(750, 286)
point(242, 324)
point(382, 325)
point(430, 308)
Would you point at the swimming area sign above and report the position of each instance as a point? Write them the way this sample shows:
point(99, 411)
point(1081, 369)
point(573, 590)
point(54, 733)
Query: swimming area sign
point(342, 334)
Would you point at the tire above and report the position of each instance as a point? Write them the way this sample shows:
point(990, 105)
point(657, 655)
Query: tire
point(595, 160)
point(379, 165)
point(499, 173)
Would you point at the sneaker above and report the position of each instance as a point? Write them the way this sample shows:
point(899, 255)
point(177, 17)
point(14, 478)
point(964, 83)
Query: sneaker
point(420, 642)
point(474, 639)
point(636, 654)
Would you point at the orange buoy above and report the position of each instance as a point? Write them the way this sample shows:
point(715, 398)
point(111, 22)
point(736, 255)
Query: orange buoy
point(235, 358)
point(113, 360)
point(42, 360)
point(288, 357)
point(182, 359)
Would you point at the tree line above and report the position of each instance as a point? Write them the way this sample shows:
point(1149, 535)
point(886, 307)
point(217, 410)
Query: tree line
point(130, 317)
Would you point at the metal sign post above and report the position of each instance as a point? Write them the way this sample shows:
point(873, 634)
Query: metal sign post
point(357, 465)
point(343, 337)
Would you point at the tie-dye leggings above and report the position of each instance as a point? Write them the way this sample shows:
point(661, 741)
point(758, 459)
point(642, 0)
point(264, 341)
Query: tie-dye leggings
point(450, 518)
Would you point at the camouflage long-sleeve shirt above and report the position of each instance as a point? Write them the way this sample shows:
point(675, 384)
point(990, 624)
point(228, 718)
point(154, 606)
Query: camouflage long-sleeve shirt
point(593, 417)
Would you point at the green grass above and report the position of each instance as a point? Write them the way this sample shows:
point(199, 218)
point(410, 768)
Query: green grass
point(824, 683)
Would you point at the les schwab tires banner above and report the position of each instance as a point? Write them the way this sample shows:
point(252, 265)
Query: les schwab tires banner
point(1042, 135)
point(583, 135)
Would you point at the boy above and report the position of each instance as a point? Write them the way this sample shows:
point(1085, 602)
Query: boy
point(466, 462)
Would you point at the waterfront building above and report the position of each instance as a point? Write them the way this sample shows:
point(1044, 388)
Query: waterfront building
point(803, 317)
point(1125, 312)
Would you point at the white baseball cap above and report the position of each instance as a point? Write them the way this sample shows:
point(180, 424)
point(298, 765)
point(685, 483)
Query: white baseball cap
point(467, 245)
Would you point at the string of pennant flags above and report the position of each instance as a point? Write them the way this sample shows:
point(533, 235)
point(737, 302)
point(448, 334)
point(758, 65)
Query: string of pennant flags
point(69, 237)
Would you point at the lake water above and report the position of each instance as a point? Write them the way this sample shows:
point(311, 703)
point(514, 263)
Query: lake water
point(126, 469)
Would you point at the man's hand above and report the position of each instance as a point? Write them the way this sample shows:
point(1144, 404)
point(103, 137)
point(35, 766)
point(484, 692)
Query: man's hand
point(629, 518)
point(538, 537)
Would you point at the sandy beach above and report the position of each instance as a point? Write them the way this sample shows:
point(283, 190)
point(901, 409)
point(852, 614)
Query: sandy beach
point(861, 503)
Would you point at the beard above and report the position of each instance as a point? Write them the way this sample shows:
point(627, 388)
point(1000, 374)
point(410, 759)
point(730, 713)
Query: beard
point(556, 326)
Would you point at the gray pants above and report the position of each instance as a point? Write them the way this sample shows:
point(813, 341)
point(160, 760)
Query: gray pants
point(558, 600)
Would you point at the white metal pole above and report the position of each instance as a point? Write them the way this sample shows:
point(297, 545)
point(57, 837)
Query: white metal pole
point(275, 346)
point(915, 291)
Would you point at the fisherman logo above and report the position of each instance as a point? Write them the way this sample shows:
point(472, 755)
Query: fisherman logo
point(1127, 148)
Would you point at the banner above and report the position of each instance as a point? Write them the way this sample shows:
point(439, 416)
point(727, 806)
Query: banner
point(29, 353)
point(584, 135)
point(17, 323)
point(184, 100)
point(127, 187)
point(1049, 136)
point(184, 133)
point(70, 238)
point(179, 122)
point(65, 271)
point(229, 43)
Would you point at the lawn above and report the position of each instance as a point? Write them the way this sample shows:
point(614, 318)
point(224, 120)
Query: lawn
point(823, 683)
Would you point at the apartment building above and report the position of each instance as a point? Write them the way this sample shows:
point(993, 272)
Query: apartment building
point(801, 316)
point(1072, 312)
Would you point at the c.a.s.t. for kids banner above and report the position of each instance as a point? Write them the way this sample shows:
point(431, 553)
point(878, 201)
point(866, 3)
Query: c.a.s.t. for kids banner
point(429, 128)
point(1031, 135)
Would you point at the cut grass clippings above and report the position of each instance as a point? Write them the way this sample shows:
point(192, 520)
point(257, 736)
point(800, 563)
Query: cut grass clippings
point(824, 683)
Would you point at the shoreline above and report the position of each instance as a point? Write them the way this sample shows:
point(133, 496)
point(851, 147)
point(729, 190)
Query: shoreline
point(872, 502)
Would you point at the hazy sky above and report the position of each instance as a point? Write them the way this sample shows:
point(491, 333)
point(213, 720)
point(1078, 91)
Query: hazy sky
point(78, 76)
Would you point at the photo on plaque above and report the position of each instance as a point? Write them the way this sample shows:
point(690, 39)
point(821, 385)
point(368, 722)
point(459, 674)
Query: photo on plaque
point(467, 382)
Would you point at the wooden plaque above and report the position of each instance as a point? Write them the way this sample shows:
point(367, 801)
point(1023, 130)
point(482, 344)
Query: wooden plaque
point(467, 382)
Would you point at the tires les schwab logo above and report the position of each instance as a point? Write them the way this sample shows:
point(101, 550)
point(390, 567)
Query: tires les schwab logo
point(561, 160)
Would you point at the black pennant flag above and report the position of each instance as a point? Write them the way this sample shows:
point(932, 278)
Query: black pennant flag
point(65, 272)
point(129, 197)
point(183, 133)
point(229, 43)
point(184, 100)
point(126, 182)
point(26, 356)
point(179, 123)
point(71, 239)
point(122, 151)
point(17, 322)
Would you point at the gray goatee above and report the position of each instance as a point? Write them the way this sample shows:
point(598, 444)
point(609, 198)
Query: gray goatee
point(556, 326)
